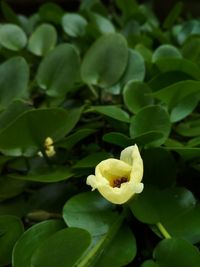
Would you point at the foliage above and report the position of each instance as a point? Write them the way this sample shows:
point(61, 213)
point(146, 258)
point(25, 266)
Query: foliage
point(95, 82)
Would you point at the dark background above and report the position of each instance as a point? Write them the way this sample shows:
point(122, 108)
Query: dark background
point(161, 7)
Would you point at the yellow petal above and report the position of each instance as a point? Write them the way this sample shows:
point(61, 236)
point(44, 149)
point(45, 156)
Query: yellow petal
point(122, 194)
point(110, 169)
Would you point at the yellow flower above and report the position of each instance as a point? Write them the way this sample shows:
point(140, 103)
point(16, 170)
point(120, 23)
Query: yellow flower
point(49, 148)
point(118, 180)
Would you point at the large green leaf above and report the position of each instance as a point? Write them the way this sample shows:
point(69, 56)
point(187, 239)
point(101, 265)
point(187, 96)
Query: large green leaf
point(123, 239)
point(176, 252)
point(32, 239)
point(66, 247)
point(34, 127)
point(12, 37)
point(105, 61)
point(14, 76)
point(89, 211)
point(55, 75)
point(152, 120)
point(42, 40)
point(11, 228)
point(175, 208)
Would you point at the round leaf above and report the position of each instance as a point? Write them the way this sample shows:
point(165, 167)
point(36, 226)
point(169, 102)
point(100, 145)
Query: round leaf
point(123, 239)
point(31, 240)
point(166, 51)
point(59, 70)
point(174, 208)
point(74, 24)
point(105, 61)
point(64, 248)
point(14, 76)
point(42, 40)
point(176, 252)
point(12, 37)
point(135, 69)
point(34, 127)
point(136, 96)
point(89, 211)
point(151, 119)
point(11, 228)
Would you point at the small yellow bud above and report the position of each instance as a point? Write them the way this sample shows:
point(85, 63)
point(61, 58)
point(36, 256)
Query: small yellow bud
point(49, 148)
point(118, 180)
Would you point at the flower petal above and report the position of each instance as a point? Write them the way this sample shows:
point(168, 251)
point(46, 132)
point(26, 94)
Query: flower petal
point(131, 156)
point(111, 169)
point(122, 194)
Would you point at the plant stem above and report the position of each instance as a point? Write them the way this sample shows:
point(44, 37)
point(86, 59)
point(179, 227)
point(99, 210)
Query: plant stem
point(163, 230)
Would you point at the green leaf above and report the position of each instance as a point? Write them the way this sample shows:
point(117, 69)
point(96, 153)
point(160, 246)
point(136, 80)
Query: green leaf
point(73, 240)
point(32, 239)
point(51, 12)
point(184, 107)
point(55, 75)
point(179, 64)
point(175, 208)
point(136, 96)
point(92, 160)
point(9, 13)
point(11, 229)
point(187, 153)
point(173, 94)
point(89, 211)
point(10, 187)
point(12, 37)
point(159, 124)
point(46, 174)
point(112, 112)
point(135, 69)
point(114, 255)
point(165, 79)
point(34, 127)
point(166, 51)
point(42, 40)
point(189, 128)
point(191, 49)
point(189, 28)
point(14, 76)
point(176, 252)
point(74, 138)
point(103, 24)
point(74, 24)
point(173, 15)
point(105, 61)
point(118, 139)
point(15, 108)
point(149, 263)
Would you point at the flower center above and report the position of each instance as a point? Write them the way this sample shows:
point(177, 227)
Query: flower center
point(118, 181)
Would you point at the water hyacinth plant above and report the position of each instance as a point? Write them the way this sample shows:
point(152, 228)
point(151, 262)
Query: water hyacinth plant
point(105, 97)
